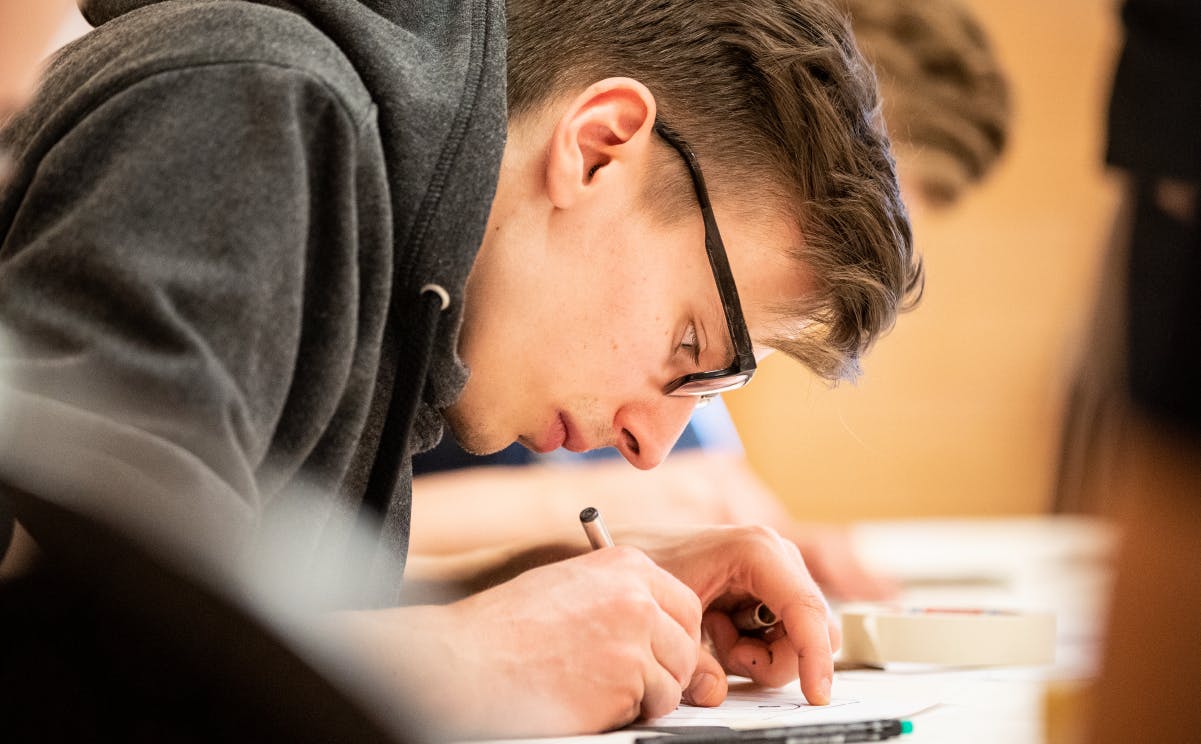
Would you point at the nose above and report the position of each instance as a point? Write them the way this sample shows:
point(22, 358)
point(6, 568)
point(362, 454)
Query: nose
point(647, 431)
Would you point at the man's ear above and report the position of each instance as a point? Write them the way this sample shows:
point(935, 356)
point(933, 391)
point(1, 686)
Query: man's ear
point(603, 134)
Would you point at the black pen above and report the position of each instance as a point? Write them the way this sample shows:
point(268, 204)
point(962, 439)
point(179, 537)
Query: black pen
point(819, 733)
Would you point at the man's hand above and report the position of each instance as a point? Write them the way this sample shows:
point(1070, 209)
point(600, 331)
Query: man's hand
point(580, 646)
point(731, 567)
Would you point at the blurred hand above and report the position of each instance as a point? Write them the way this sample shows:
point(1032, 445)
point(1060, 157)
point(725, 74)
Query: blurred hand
point(26, 28)
point(722, 488)
point(830, 555)
point(580, 646)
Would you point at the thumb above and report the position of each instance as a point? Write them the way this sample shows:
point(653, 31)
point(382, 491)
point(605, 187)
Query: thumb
point(709, 686)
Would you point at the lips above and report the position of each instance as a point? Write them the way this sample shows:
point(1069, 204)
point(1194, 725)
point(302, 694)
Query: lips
point(560, 433)
point(553, 438)
point(574, 441)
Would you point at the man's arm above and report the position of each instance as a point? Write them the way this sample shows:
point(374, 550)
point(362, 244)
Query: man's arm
point(509, 504)
point(437, 579)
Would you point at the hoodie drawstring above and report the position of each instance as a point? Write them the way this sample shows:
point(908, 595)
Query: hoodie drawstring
point(407, 390)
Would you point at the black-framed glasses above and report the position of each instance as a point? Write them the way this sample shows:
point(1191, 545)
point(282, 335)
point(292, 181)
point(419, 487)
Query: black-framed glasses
point(738, 374)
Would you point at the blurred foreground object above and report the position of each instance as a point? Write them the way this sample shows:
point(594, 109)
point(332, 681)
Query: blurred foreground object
point(1151, 670)
point(107, 640)
point(1152, 389)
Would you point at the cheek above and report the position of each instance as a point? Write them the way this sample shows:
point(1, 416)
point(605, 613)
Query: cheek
point(600, 317)
point(609, 333)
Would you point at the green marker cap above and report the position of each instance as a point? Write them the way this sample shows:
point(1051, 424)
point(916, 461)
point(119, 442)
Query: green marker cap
point(906, 727)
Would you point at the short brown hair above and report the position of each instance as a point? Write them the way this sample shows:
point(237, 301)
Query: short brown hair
point(945, 96)
point(779, 107)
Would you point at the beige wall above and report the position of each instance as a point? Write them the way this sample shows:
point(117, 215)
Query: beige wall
point(958, 412)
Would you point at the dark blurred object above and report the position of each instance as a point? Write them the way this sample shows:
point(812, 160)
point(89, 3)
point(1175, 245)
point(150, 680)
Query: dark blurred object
point(1155, 136)
point(1163, 290)
point(105, 641)
point(1145, 344)
point(1152, 665)
point(1155, 110)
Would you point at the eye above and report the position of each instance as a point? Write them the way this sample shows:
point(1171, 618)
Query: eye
point(690, 344)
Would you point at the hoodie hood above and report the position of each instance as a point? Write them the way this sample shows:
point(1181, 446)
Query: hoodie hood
point(436, 72)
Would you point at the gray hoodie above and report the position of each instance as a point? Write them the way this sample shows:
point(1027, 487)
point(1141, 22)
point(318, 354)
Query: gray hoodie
point(213, 250)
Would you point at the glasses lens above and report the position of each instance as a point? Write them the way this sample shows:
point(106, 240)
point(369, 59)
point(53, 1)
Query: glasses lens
point(712, 385)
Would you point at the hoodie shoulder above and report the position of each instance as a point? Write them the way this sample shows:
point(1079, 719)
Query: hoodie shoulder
point(161, 37)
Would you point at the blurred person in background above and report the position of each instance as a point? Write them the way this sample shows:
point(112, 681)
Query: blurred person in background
point(946, 102)
point(1144, 463)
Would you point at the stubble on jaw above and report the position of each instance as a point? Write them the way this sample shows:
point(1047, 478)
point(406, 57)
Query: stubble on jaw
point(470, 435)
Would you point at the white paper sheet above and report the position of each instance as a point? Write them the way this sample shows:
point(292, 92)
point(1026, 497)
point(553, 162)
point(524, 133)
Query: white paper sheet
point(751, 706)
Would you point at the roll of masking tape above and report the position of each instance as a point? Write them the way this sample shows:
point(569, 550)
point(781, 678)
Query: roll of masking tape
point(949, 636)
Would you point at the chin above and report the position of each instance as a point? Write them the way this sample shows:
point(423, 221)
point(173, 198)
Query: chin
point(474, 437)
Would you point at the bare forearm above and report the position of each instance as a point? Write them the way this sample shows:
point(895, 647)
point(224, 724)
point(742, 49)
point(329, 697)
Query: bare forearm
point(437, 579)
point(464, 510)
point(476, 507)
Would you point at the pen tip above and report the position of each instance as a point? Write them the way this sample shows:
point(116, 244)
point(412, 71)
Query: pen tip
point(589, 514)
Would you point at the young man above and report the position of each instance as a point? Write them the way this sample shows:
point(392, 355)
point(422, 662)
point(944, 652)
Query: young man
point(946, 102)
point(253, 251)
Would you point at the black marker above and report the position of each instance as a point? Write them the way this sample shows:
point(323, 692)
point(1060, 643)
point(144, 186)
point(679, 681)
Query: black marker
point(820, 733)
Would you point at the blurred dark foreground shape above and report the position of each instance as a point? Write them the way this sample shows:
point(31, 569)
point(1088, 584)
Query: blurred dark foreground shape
point(106, 641)
point(1133, 443)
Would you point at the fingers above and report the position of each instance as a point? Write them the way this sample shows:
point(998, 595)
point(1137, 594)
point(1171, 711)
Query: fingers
point(675, 640)
point(674, 613)
point(676, 652)
point(809, 636)
point(708, 686)
point(675, 599)
point(767, 662)
point(731, 566)
point(774, 572)
point(662, 693)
